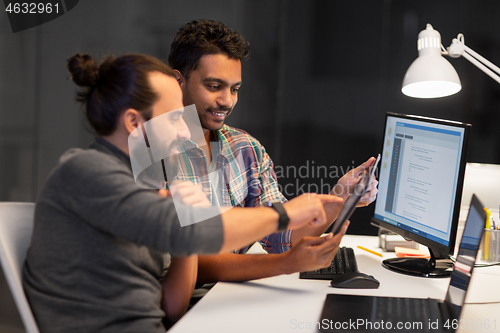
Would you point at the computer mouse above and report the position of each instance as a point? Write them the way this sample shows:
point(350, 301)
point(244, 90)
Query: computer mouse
point(355, 280)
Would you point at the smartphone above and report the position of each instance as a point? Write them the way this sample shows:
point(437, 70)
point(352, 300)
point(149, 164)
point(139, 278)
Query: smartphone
point(353, 199)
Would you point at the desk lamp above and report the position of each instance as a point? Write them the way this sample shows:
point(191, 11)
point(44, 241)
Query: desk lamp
point(431, 75)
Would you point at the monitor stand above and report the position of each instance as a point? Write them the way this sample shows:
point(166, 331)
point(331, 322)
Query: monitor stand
point(420, 266)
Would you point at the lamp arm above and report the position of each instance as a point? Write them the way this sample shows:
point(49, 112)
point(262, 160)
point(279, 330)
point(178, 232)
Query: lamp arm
point(482, 59)
point(458, 48)
point(482, 67)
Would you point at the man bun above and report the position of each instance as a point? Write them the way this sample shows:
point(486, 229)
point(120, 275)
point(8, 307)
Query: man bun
point(114, 85)
point(84, 70)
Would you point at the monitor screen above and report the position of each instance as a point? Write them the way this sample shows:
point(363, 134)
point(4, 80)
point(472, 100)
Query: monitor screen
point(420, 180)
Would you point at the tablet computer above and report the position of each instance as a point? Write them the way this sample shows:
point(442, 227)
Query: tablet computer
point(352, 201)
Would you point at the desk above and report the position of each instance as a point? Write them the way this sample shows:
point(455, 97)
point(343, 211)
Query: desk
point(287, 304)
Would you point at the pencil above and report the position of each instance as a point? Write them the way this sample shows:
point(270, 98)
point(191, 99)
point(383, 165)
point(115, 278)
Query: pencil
point(368, 250)
point(487, 235)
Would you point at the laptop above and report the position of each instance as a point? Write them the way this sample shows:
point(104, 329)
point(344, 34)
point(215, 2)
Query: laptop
point(354, 313)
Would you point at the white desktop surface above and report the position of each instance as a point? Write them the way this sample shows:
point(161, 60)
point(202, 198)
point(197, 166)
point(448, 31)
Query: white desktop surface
point(287, 304)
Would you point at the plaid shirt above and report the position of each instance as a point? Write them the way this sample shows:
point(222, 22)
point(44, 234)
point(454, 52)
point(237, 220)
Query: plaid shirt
point(246, 177)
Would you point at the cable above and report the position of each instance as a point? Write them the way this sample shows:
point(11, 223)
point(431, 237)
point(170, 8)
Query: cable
point(486, 265)
point(453, 259)
point(480, 303)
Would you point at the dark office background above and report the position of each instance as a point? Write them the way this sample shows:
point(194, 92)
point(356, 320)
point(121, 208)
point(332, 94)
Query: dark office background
point(320, 78)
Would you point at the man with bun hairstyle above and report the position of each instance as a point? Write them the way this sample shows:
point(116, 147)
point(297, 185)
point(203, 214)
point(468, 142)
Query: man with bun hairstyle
point(206, 56)
point(100, 242)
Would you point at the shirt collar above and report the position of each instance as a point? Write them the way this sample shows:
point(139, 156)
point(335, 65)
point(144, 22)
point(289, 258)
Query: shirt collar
point(106, 147)
point(224, 149)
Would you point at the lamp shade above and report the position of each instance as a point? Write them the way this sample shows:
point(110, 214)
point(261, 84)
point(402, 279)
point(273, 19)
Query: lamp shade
point(430, 75)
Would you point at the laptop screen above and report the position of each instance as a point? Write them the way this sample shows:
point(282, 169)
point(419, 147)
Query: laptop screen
point(466, 257)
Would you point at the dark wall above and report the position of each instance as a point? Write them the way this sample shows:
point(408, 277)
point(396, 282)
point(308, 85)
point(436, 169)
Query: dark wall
point(320, 78)
point(343, 71)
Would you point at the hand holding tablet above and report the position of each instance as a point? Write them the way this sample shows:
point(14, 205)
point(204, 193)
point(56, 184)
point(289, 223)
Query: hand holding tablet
point(353, 199)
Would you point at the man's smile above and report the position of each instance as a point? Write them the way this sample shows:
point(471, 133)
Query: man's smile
point(218, 114)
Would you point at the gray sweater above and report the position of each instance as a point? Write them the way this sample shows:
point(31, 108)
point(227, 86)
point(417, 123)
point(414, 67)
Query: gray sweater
point(99, 244)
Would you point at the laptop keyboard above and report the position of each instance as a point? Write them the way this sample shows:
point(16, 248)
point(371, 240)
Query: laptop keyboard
point(343, 262)
point(408, 311)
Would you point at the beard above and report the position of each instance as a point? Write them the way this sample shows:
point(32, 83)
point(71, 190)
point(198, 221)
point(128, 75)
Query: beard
point(208, 121)
point(170, 163)
point(212, 122)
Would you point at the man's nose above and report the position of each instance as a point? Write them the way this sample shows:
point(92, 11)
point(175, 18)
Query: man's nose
point(225, 99)
point(183, 130)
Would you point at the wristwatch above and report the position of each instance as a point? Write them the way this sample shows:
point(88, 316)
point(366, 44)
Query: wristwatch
point(283, 219)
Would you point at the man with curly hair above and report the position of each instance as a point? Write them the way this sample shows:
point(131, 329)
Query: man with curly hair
point(235, 169)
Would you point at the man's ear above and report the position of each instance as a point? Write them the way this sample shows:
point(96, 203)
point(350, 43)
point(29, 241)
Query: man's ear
point(179, 77)
point(132, 119)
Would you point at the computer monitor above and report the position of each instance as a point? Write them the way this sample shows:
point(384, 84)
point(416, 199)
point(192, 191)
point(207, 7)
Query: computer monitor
point(420, 188)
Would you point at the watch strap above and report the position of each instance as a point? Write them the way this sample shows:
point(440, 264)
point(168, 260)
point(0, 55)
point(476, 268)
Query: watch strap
point(283, 217)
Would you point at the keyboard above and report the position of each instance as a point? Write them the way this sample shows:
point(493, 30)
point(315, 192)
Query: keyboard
point(409, 310)
point(343, 262)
